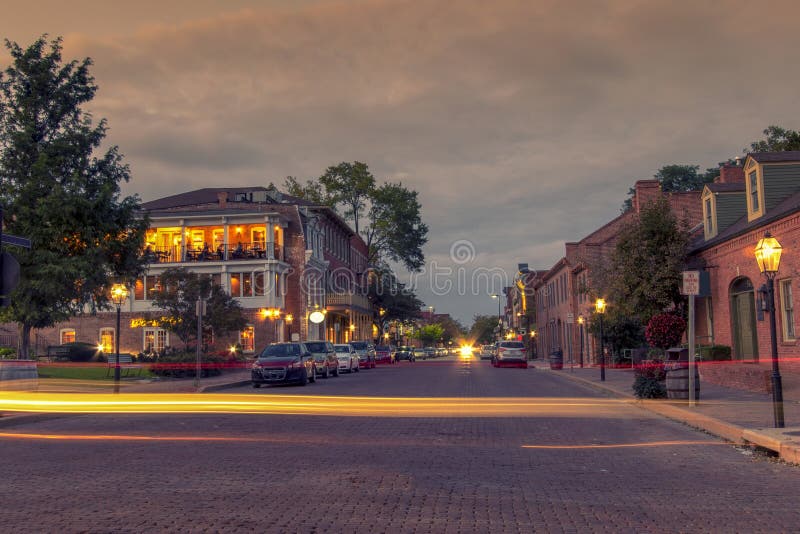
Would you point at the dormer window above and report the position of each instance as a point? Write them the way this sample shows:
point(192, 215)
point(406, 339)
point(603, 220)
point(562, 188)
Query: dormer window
point(752, 179)
point(754, 183)
point(709, 214)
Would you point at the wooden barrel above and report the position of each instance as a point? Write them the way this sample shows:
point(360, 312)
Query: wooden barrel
point(678, 384)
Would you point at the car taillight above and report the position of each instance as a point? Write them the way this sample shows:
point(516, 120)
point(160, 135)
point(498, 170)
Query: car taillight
point(522, 349)
point(501, 349)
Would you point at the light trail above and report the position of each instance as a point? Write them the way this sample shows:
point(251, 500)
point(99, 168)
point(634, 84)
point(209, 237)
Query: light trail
point(624, 445)
point(143, 403)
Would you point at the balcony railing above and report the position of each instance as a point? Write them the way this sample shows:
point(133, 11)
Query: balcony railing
point(223, 252)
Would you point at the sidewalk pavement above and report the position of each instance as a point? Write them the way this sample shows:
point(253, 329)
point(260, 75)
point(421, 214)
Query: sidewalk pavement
point(736, 415)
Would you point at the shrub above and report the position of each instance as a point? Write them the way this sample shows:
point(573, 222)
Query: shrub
point(649, 381)
point(715, 353)
point(7, 353)
point(183, 364)
point(77, 351)
point(665, 330)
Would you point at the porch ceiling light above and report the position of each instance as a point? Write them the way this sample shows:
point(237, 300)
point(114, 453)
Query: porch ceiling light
point(768, 255)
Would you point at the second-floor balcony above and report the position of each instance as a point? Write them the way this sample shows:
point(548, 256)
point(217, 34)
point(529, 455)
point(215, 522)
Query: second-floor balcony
point(223, 252)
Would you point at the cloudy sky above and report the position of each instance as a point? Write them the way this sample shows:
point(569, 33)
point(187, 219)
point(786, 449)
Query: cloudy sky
point(522, 124)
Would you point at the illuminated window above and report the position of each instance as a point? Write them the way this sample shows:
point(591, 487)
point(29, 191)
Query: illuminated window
point(258, 284)
point(247, 338)
point(258, 236)
point(155, 340)
point(247, 285)
point(236, 284)
point(138, 289)
point(107, 340)
point(787, 310)
point(67, 335)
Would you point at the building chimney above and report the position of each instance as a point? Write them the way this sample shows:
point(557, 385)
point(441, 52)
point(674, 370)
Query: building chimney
point(731, 173)
point(645, 191)
point(222, 198)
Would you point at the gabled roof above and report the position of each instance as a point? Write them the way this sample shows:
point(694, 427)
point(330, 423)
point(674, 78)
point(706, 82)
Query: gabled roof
point(787, 206)
point(776, 157)
point(726, 187)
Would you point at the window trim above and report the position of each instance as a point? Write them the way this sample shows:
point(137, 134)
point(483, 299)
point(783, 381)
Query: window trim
point(252, 348)
point(710, 227)
point(787, 321)
point(113, 338)
point(64, 331)
point(754, 167)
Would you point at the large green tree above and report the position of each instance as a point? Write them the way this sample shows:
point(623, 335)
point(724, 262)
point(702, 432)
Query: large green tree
point(177, 296)
point(387, 216)
point(61, 191)
point(643, 274)
point(778, 139)
point(429, 334)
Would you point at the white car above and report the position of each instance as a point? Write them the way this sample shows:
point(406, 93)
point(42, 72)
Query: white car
point(348, 359)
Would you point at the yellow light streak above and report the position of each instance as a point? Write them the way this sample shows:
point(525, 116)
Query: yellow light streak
point(106, 402)
point(624, 445)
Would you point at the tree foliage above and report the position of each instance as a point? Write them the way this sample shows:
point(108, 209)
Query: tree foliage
point(429, 334)
point(177, 296)
point(778, 139)
point(643, 275)
point(677, 178)
point(398, 302)
point(393, 228)
point(59, 192)
point(483, 329)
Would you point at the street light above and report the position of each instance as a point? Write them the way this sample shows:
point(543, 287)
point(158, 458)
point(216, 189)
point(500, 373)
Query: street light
point(119, 294)
point(581, 320)
point(600, 308)
point(768, 256)
point(499, 320)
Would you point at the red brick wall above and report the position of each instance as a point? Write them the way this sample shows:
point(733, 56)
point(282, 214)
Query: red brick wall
point(735, 258)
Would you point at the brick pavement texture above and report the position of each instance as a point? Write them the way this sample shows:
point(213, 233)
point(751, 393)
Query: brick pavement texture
point(375, 475)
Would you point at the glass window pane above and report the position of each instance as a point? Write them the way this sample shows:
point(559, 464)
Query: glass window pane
point(236, 284)
point(258, 284)
point(247, 284)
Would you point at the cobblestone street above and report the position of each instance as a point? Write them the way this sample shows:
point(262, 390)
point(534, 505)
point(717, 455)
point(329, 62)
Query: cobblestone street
point(610, 470)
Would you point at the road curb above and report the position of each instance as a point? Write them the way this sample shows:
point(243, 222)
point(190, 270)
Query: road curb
point(782, 441)
point(220, 387)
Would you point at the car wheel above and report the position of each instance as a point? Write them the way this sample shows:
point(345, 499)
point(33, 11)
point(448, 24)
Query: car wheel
point(356, 368)
point(327, 372)
point(336, 371)
point(304, 380)
point(313, 377)
point(256, 385)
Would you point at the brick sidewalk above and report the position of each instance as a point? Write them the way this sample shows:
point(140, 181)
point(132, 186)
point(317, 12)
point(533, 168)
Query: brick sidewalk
point(737, 415)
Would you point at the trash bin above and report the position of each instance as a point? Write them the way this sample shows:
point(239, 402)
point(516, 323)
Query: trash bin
point(557, 360)
point(677, 367)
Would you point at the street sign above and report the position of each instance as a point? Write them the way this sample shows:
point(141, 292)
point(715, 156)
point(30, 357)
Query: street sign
point(570, 318)
point(691, 283)
point(9, 239)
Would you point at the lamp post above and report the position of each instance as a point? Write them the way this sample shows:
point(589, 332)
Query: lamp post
point(499, 320)
point(289, 319)
point(768, 256)
point(600, 308)
point(119, 294)
point(581, 320)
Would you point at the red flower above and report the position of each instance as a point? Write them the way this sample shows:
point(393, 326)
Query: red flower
point(665, 330)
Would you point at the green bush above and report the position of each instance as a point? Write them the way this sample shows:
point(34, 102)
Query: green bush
point(649, 381)
point(715, 353)
point(7, 353)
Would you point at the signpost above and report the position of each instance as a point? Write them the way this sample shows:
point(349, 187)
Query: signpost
point(691, 288)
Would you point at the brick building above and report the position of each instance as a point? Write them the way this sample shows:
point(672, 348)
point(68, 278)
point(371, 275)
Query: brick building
point(761, 195)
point(282, 258)
point(562, 293)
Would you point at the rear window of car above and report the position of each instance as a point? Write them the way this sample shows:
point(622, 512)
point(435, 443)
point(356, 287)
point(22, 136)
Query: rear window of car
point(341, 348)
point(280, 351)
point(317, 347)
point(512, 344)
point(383, 348)
point(359, 345)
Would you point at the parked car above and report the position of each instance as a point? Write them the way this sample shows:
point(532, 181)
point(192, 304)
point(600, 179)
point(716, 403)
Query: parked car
point(366, 353)
point(284, 363)
point(419, 354)
point(348, 359)
point(324, 357)
point(511, 354)
point(404, 353)
point(487, 352)
point(384, 354)
point(430, 352)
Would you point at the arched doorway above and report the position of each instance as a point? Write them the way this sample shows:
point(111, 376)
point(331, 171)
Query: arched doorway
point(743, 319)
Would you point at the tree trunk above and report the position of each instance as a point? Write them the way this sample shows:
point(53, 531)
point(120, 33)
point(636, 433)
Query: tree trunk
point(24, 342)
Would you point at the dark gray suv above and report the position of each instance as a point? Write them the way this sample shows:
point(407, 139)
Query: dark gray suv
point(324, 357)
